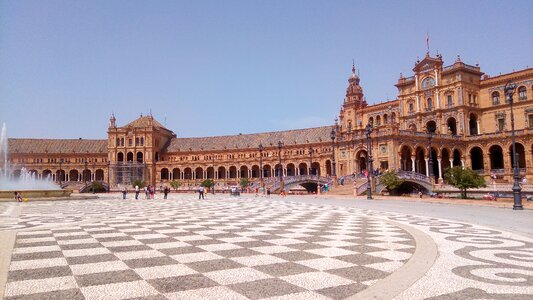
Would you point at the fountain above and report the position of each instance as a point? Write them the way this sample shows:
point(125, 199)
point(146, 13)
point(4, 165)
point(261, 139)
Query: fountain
point(28, 184)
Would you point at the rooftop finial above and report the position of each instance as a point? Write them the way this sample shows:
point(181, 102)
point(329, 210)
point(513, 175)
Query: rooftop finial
point(353, 68)
point(427, 43)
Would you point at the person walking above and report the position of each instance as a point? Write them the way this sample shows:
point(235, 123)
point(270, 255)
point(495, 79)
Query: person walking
point(137, 192)
point(152, 192)
point(201, 192)
point(124, 192)
point(146, 193)
point(166, 190)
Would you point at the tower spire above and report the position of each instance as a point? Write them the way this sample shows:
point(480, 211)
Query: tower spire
point(353, 68)
point(427, 43)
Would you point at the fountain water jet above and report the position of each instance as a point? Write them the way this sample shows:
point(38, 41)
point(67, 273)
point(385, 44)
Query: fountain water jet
point(27, 182)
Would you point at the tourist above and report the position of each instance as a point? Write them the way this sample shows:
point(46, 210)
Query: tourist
point(201, 192)
point(268, 193)
point(124, 192)
point(18, 197)
point(166, 190)
point(152, 192)
point(136, 192)
point(146, 193)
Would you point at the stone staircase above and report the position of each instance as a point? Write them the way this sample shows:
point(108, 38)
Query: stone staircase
point(347, 188)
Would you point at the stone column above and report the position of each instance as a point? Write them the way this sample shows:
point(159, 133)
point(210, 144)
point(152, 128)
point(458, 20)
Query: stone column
point(427, 166)
point(413, 163)
point(478, 127)
point(440, 168)
point(463, 163)
point(451, 163)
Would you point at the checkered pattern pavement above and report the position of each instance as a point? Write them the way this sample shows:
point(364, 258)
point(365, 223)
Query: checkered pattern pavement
point(212, 249)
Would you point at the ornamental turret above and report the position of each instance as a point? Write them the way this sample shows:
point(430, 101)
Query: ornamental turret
point(354, 92)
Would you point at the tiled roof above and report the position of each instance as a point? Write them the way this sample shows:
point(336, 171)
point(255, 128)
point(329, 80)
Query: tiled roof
point(241, 141)
point(144, 121)
point(57, 146)
point(245, 141)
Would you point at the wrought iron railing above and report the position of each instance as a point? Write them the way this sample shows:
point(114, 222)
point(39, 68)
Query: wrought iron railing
point(413, 175)
point(362, 188)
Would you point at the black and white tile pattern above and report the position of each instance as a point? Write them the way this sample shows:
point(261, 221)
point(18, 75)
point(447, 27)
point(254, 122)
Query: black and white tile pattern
point(190, 249)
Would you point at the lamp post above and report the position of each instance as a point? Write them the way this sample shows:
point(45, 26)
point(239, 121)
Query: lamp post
point(334, 165)
point(85, 174)
point(60, 170)
point(310, 152)
point(261, 166)
point(108, 175)
point(517, 191)
point(280, 172)
point(94, 174)
point(369, 162)
point(213, 174)
point(430, 163)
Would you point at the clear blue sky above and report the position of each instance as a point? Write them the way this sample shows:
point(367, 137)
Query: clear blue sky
point(228, 67)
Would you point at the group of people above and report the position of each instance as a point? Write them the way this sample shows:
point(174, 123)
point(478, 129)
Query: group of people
point(149, 192)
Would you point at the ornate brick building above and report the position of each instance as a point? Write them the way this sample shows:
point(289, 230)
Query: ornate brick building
point(466, 110)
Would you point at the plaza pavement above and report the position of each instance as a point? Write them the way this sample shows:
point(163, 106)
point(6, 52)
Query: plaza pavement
point(257, 248)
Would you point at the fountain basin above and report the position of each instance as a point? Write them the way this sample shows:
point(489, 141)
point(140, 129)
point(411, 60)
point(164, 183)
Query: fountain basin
point(31, 194)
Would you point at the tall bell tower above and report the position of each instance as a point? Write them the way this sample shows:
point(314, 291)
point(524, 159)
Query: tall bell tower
point(351, 115)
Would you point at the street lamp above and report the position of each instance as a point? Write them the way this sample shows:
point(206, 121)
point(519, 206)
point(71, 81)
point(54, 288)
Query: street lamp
point(280, 174)
point(60, 170)
point(369, 162)
point(334, 165)
point(85, 174)
point(94, 173)
point(430, 163)
point(108, 174)
point(213, 174)
point(261, 166)
point(310, 152)
point(517, 191)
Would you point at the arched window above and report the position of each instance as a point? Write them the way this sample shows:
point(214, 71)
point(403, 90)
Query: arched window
point(495, 98)
point(378, 121)
point(428, 83)
point(522, 93)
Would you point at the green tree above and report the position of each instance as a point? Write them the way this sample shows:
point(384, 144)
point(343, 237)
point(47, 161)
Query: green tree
point(391, 180)
point(208, 183)
point(244, 182)
point(138, 182)
point(175, 184)
point(97, 187)
point(464, 179)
